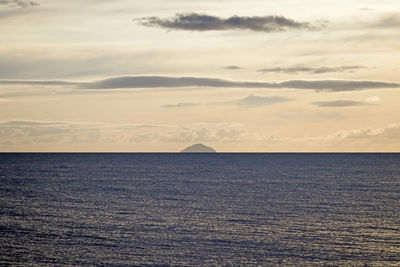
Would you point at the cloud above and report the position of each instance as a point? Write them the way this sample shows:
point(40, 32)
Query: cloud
point(54, 132)
point(206, 132)
point(337, 85)
point(252, 101)
point(41, 83)
point(18, 3)
point(57, 133)
point(383, 139)
point(340, 103)
point(373, 99)
point(232, 67)
point(386, 138)
point(132, 82)
point(387, 134)
point(38, 131)
point(387, 21)
point(180, 105)
point(29, 123)
point(163, 81)
point(365, 8)
point(314, 70)
point(201, 22)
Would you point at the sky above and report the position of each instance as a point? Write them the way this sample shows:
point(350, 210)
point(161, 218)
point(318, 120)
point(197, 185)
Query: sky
point(239, 76)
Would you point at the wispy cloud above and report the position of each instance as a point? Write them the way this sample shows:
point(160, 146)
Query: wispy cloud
point(340, 103)
point(18, 3)
point(386, 139)
point(38, 132)
point(314, 70)
point(253, 101)
point(373, 99)
point(180, 105)
point(387, 21)
point(250, 101)
point(41, 83)
point(232, 67)
point(132, 82)
point(387, 134)
point(202, 22)
point(365, 8)
point(369, 101)
point(55, 132)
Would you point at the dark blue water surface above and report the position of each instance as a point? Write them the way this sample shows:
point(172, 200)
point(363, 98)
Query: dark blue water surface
point(200, 209)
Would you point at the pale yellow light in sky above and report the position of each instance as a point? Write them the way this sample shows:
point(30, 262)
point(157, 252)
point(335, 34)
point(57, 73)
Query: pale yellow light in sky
point(86, 41)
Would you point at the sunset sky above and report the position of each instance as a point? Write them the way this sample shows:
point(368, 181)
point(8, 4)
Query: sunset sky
point(239, 76)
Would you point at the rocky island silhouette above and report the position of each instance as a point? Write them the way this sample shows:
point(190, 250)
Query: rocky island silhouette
point(198, 148)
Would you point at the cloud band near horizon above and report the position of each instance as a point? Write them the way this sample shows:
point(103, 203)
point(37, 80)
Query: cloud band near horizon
point(41, 132)
point(142, 82)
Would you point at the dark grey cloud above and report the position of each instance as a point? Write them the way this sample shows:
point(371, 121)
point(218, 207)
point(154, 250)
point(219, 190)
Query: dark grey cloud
point(232, 67)
point(201, 22)
point(180, 105)
point(314, 70)
point(340, 103)
point(132, 82)
point(159, 81)
point(259, 101)
point(163, 81)
point(18, 3)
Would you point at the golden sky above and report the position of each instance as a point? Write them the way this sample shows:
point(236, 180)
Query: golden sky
point(239, 76)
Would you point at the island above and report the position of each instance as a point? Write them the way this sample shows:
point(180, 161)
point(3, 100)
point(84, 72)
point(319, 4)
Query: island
point(198, 148)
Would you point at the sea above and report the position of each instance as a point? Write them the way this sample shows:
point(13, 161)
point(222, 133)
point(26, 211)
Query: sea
point(218, 209)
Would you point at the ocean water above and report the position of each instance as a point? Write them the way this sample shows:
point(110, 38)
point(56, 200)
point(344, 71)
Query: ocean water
point(200, 209)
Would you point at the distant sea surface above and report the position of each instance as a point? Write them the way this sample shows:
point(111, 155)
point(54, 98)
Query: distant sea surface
point(200, 209)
